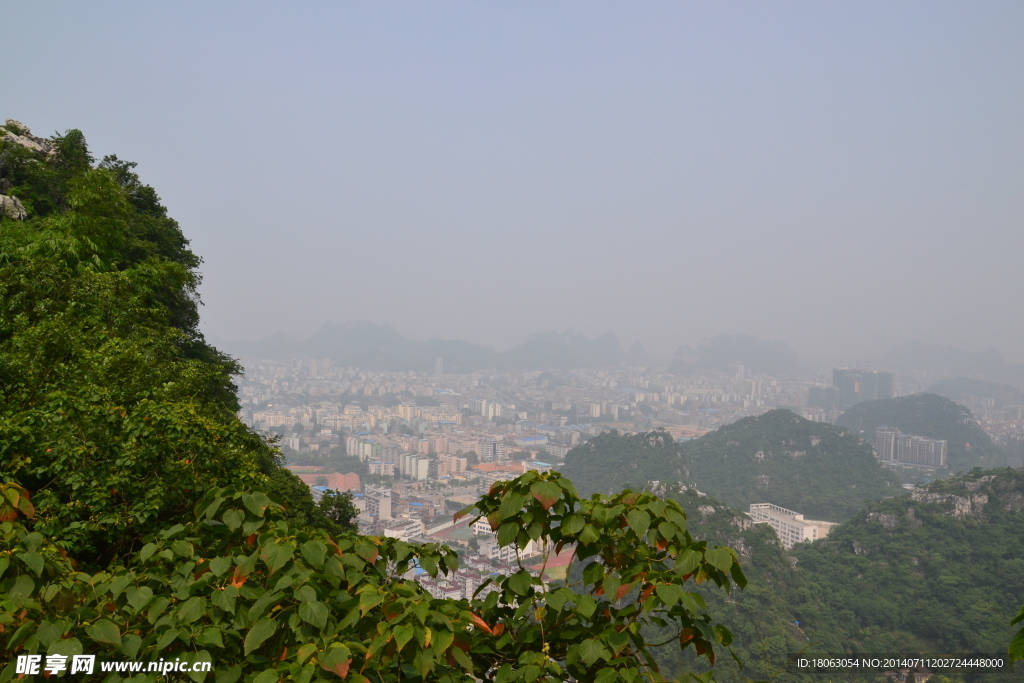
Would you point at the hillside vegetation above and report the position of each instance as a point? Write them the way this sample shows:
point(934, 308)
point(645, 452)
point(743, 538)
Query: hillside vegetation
point(930, 415)
point(811, 467)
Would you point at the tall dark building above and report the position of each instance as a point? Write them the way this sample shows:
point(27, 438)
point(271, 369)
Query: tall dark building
point(856, 386)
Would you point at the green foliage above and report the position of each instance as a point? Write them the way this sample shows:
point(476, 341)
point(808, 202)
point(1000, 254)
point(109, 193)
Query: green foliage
point(242, 588)
point(932, 416)
point(777, 457)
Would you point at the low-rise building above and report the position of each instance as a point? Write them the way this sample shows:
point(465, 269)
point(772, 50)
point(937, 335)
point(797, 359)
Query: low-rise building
point(790, 527)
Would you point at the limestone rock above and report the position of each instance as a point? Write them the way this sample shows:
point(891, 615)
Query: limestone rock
point(10, 207)
point(24, 138)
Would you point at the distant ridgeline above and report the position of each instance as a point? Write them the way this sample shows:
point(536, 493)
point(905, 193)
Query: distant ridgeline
point(813, 468)
point(962, 389)
point(932, 416)
point(941, 570)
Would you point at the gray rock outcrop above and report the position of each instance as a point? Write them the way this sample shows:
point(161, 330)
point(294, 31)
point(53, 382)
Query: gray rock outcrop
point(10, 207)
point(21, 135)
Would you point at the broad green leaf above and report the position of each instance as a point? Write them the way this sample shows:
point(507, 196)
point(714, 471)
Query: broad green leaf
point(721, 558)
point(68, 647)
point(276, 555)
point(586, 605)
point(130, 644)
point(314, 613)
point(34, 561)
point(166, 638)
point(105, 631)
point(268, 676)
point(591, 650)
point(229, 675)
point(139, 597)
point(507, 533)
point(305, 594)
point(669, 593)
point(511, 505)
point(606, 675)
point(225, 599)
point(589, 534)
point(201, 656)
point(369, 598)
point(313, 552)
point(219, 565)
point(118, 585)
point(611, 586)
point(263, 629)
point(462, 658)
point(403, 634)
point(21, 589)
point(520, 582)
point(256, 503)
point(147, 551)
point(191, 609)
point(233, 519)
point(639, 521)
point(688, 562)
point(573, 524)
point(211, 636)
point(49, 631)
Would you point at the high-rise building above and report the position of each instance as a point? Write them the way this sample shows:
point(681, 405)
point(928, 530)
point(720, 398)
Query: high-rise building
point(439, 367)
point(893, 447)
point(856, 386)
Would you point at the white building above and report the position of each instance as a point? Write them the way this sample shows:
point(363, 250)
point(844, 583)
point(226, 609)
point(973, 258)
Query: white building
point(790, 527)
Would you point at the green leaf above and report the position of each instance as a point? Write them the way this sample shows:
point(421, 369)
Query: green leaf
point(229, 675)
point(69, 647)
point(403, 634)
point(219, 565)
point(547, 493)
point(507, 533)
point(639, 521)
point(313, 552)
point(191, 609)
point(263, 629)
point(720, 558)
point(22, 588)
point(688, 562)
point(130, 644)
point(147, 552)
point(233, 519)
point(166, 638)
point(607, 674)
point(591, 650)
point(5, 562)
point(276, 555)
point(369, 598)
point(49, 631)
point(589, 534)
point(139, 597)
point(462, 658)
point(256, 502)
point(268, 676)
point(119, 584)
point(669, 593)
point(611, 586)
point(573, 524)
point(1016, 649)
point(586, 605)
point(520, 582)
point(314, 613)
point(511, 504)
point(105, 631)
point(225, 599)
point(211, 636)
point(34, 561)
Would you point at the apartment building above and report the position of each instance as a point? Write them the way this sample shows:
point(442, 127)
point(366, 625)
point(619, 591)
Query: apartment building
point(790, 527)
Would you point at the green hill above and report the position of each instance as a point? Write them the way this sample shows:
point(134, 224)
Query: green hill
point(940, 571)
point(928, 415)
point(778, 457)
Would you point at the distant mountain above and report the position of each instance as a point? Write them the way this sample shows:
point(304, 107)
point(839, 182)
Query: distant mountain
point(928, 415)
point(961, 389)
point(725, 351)
point(811, 467)
point(382, 348)
point(565, 350)
point(948, 361)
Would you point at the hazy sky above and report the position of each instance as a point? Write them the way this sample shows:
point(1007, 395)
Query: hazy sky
point(844, 177)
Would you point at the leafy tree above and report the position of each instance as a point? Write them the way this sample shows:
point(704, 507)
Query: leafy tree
point(338, 507)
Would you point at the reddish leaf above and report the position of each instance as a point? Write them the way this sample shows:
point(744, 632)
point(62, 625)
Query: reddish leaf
point(647, 593)
point(494, 520)
point(687, 635)
point(238, 578)
point(481, 623)
point(623, 590)
point(499, 629)
point(251, 539)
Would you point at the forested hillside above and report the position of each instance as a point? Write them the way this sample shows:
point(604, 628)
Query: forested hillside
point(941, 570)
point(928, 415)
point(779, 457)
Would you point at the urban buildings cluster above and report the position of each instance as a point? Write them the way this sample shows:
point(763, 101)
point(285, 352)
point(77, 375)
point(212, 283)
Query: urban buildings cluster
point(896, 449)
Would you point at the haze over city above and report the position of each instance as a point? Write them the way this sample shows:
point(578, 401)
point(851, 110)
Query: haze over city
point(842, 178)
